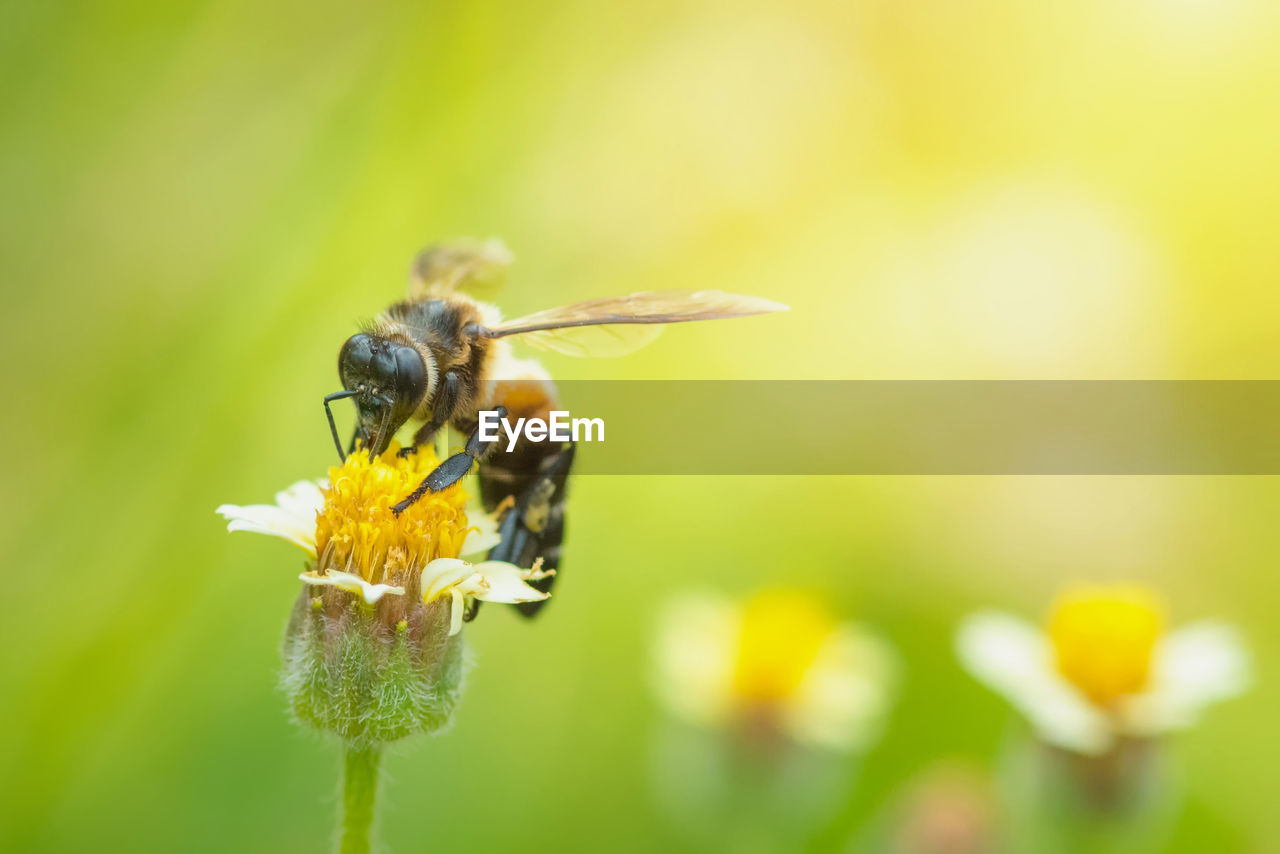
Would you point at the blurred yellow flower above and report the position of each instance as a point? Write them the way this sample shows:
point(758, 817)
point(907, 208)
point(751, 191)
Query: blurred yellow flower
point(1104, 666)
point(361, 546)
point(779, 659)
point(779, 637)
point(1104, 639)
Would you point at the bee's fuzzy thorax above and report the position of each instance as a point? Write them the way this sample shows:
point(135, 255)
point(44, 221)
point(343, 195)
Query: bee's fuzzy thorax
point(435, 327)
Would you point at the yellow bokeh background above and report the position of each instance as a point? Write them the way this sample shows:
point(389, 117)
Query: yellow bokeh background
point(202, 199)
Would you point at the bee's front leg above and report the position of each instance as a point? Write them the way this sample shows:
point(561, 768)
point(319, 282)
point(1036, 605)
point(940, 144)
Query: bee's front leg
point(455, 468)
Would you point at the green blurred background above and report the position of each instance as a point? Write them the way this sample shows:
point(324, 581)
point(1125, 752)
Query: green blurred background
point(200, 199)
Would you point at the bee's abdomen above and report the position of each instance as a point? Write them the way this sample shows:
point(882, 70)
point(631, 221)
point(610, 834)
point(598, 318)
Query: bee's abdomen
point(535, 476)
point(534, 527)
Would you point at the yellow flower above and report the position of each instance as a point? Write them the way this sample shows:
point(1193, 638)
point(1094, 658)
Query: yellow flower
point(779, 657)
point(780, 635)
point(1104, 666)
point(356, 529)
point(1104, 639)
point(359, 545)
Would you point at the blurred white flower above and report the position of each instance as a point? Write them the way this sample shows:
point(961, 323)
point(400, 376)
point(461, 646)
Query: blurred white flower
point(778, 660)
point(1104, 667)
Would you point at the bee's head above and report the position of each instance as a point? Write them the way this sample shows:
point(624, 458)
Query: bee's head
point(388, 381)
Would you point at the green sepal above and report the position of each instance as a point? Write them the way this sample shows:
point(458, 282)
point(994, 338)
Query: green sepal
point(348, 672)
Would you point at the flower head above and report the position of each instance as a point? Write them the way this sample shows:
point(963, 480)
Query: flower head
point(1104, 666)
point(361, 546)
point(778, 662)
point(372, 652)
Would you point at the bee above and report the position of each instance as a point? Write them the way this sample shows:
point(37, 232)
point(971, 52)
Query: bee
point(439, 357)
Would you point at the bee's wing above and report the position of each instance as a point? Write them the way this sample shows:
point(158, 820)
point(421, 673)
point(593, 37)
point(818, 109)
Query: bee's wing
point(617, 326)
point(471, 265)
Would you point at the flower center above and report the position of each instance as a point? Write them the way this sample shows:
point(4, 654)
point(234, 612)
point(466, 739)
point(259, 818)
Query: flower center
point(780, 636)
point(357, 531)
point(1104, 637)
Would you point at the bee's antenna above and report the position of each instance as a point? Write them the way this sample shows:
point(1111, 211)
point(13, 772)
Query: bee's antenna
point(333, 428)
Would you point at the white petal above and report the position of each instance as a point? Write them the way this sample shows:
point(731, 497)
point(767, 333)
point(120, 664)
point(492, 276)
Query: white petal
point(842, 700)
point(442, 574)
point(484, 531)
point(456, 608)
point(303, 499)
point(271, 520)
point(1195, 666)
point(1013, 658)
point(505, 582)
point(292, 517)
point(352, 584)
point(694, 657)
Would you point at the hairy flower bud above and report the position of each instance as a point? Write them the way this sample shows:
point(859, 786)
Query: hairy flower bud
point(372, 673)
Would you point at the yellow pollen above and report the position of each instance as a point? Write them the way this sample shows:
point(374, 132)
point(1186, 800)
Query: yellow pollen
point(357, 532)
point(1104, 637)
point(780, 636)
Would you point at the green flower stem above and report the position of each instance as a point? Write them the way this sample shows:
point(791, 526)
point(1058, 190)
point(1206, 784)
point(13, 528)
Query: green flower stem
point(359, 790)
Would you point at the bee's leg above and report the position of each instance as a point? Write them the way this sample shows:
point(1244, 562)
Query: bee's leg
point(533, 529)
point(441, 413)
point(455, 468)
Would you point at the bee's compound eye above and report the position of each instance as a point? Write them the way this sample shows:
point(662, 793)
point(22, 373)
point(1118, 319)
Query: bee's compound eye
point(411, 375)
point(354, 359)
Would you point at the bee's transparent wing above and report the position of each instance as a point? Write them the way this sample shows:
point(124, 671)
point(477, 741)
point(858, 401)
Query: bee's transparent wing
point(616, 326)
point(600, 342)
point(475, 266)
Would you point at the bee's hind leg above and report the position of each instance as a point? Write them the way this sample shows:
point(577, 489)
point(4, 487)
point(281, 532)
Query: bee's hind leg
point(455, 468)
